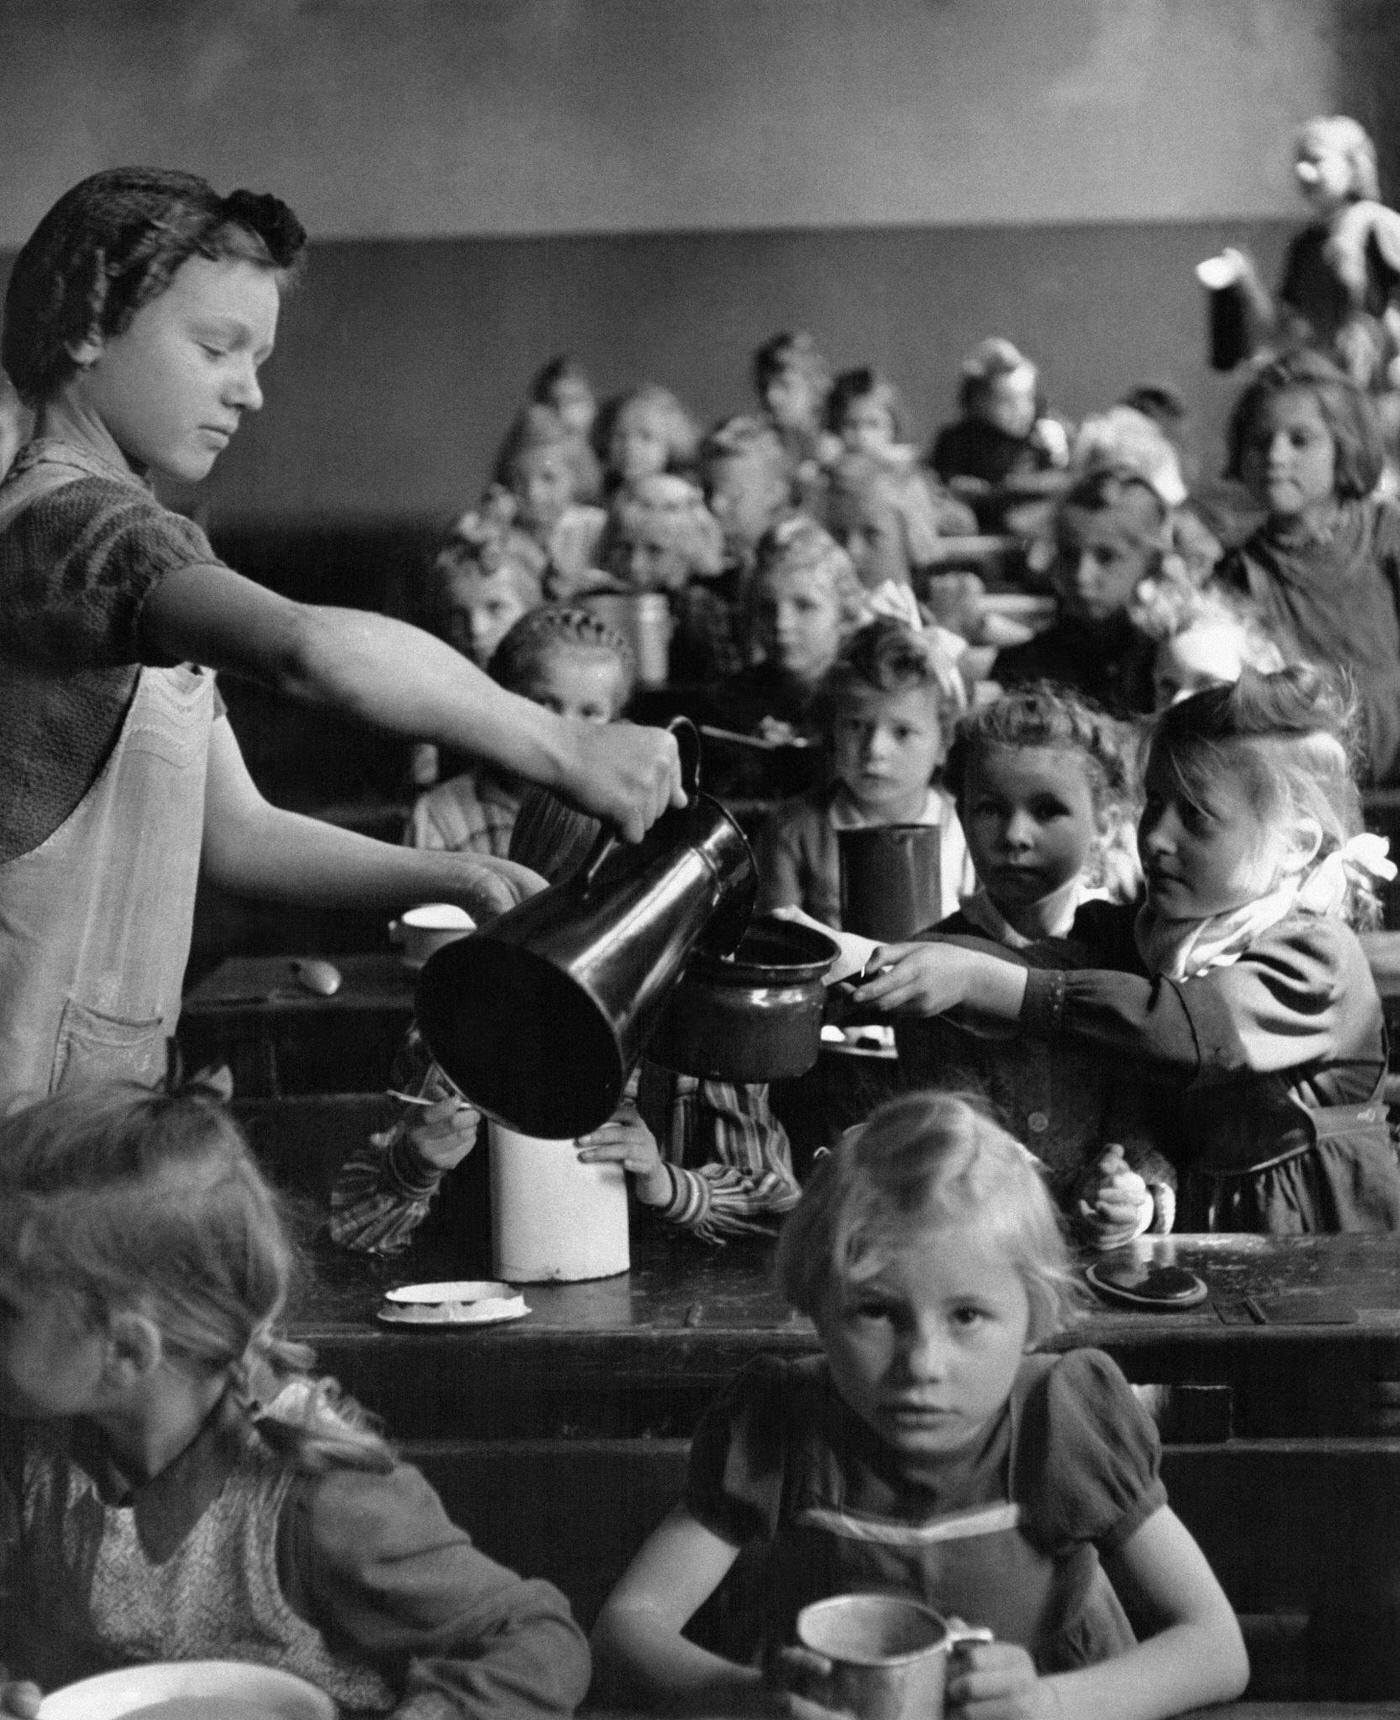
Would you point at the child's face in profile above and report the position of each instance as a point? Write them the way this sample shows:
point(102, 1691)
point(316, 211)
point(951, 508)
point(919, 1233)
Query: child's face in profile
point(886, 747)
point(172, 388)
point(798, 622)
point(640, 443)
point(793, 399)
point(584, 683)
point(867, 427)
point(1205, 655)
point(481, 608)
point(746, 495)
point(542, 481)
point(1007, 403)
point(1100, 557)
point(869, 528)
point(1288, 460)
point(1209, 858)
point(1029, 818)
point(926, 1348)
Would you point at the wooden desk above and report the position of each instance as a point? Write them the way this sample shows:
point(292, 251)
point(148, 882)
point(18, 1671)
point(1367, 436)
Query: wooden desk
point(561, 1439)
point(278, 1038)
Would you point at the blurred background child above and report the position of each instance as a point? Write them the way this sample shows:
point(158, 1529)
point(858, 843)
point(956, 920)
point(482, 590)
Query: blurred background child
point(1240, 988)
point(1204, 636)
point(1324, 567)
point(1110, 533)
point(176, 1482)
point(541, 468)
point(929, 1451)
point(1044, 789)
point(1004, 453)
point(747, 480)
point(792, 381)
point(564, 386)
point(647, 431)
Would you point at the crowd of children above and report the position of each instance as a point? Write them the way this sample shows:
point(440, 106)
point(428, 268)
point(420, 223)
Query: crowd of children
point(1145, 1001)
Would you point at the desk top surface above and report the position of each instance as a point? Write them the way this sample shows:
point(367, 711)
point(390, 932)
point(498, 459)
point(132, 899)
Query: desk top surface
point(1260, 1289)
point(266, 984)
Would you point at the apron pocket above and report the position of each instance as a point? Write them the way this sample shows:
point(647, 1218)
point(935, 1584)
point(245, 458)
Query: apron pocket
point(92, 1046)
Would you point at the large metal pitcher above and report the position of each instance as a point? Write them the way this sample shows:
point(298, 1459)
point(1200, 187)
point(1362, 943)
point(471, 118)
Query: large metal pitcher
point(541, 1016)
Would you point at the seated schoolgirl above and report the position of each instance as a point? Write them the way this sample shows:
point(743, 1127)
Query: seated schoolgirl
point(1111, 531)
point(889, 702)
point(541, 468)
point(563, 385)
point(747, 480)
point(1324, 566)
point(564, 659)
point(661, 537)
point(866, 413)
point(1205, 635)
point(177, 1484)
point(648, 430)
point(1043, 784)
point(792, 380)
point(931, 1452)
point(1006, 452)
point(1240, 987)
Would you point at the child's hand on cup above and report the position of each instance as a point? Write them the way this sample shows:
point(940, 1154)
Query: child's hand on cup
point(996, 1681)
point(626, 1140)
point(18, 1699)
point(1119, 1206)
point(799, 1684)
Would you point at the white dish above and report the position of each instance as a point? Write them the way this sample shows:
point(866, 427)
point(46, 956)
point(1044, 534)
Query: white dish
point(172, 1690)
point(454, 1302)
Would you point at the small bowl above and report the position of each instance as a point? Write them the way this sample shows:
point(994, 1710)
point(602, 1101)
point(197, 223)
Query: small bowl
point(421, 932)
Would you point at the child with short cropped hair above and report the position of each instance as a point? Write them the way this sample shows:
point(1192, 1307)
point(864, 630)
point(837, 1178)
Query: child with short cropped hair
point(929, 1452)
point(1044, 784)
point(137, 318)
point(1240, 988)
point(175, 1481)
point(889, 702)
point(1324, 567)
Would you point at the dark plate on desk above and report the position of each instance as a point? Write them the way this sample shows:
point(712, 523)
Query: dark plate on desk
point(1139, 1285)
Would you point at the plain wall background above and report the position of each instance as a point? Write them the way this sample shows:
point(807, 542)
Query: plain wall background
point(659, 184)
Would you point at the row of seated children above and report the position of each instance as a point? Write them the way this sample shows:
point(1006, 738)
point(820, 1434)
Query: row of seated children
point(176, 1483)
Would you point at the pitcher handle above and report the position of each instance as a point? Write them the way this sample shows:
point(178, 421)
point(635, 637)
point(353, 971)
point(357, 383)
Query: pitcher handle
point(688, 746)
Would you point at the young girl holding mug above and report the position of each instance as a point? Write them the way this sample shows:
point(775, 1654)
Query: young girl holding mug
point(175, 1484)
point(929, 1452)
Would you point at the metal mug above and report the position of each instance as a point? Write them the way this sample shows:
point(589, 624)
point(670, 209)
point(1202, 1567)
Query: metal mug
point(888, 1655)
point(891, 884)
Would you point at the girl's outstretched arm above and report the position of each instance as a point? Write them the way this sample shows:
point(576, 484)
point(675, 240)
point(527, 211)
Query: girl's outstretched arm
point(388, 675)
point(930, 978)
point(1196, 1657)
point(255, 849)
point(639, 1654)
